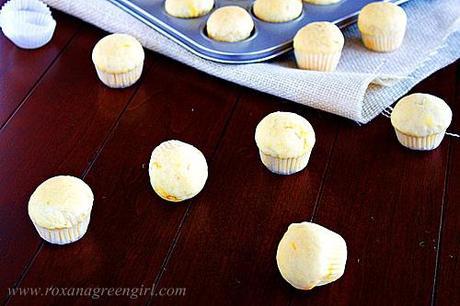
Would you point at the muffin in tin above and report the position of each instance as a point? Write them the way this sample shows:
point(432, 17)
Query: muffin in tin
point(188, 8)
point(277, 10)
point(230, 24)
point(322, 2)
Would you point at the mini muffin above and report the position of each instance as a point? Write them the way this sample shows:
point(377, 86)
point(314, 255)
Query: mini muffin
point(119, 59)
point(230, 24)
point(277, 10)
point(420, 121)
point(285, 141)
point(60, 209)
point(310, 255)
point(382, 26)
point(318, 46)
point(322, 2)
point(188, 8)
point(177, 170)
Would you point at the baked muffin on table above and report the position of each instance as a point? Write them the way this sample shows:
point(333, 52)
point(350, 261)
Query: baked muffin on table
point(177, 170)
point(119, 60)
point(60, 209)
point(188, 8)
point(382, 26)
point(318, 46)
point(277, 10)
point(229, 24)
point(322, 2)
point(420, 121)
point(285, 141)
point(310, 255)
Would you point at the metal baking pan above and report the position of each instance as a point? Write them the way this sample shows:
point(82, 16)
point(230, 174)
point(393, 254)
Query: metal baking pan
point(267, 41)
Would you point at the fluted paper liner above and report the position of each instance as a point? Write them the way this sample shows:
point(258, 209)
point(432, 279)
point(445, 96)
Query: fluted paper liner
point(423, 143)
point(120, 80)
point(27, 23)
point(317, 62)
point(63, 235)
point(285, 166)
point(382, 43)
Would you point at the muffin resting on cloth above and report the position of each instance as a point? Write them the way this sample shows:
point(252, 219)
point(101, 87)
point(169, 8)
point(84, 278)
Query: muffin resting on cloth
point(318, 46)
point(230, 24)
point(60, 209)
point(382, 26)
point(188, 8)
point(277, 10)
point(119, 59)
point(177, 170)
point(310, 255)
point(285, 141)
point(420, 121)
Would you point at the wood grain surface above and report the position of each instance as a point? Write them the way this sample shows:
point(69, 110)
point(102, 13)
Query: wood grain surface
point(397, 209)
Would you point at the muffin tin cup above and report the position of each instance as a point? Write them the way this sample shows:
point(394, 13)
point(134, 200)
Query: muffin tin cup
point(27, 23)
point(285, 166)
point(270, 39)
point(382, 43)
point(120, 80)
point(426, 143)
point(318, 62)
point(63, 235)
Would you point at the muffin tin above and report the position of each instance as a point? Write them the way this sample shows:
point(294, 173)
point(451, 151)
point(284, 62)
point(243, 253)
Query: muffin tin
point(267, 41)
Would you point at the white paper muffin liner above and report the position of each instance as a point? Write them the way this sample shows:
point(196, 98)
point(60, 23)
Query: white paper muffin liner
point(120, 80)
point(383, 43)
point(426, 143)
point(285, 166)
point(26, 5)
point(27, 23)
point(63, 235)
point(318, 62)
point(337, 261)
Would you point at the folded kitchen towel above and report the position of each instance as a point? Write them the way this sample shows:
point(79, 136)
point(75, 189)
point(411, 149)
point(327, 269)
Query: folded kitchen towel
point(365, 82)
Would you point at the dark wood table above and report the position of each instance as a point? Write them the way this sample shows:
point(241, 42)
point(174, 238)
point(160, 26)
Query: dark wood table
point(397, 209)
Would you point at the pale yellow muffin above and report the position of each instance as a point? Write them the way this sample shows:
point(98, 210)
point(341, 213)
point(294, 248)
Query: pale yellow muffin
point(285, 141)
point(277, 10)
point(420, 121)
point(60, 209)
point(188, 8)
point(310, 255)
point(318, 46)
point(119, 59)
point(230, 24)
point(177, 170)
point(322, 2)
point(382, 26)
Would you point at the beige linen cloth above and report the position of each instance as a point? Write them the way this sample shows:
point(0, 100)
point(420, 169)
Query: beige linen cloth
point(365, 82)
